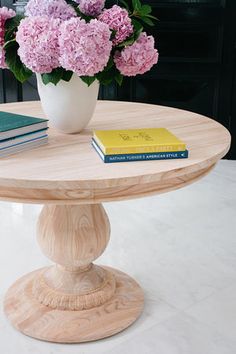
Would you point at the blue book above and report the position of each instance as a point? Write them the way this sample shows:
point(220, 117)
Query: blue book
point(140, 157)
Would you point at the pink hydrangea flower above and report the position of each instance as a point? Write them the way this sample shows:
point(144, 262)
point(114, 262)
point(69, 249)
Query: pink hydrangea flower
point(5, 14)
point(51, 8)
point(91, 7)
point(38, 41)
point(117, 19)
point(137, 58)
point(84, 47)
point(3, 64)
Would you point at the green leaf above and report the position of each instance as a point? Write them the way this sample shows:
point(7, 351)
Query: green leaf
point(119, 78)
point(148, 21)
point(14, 63)
point(123, 2)
point(53, 77)
point(105, 77)
point(136, 4)
point(145, 10)
point(137, 33)
point(128, 42)
point(73, 4)
point(56, 75)
point(88, 79)
point(11, 27)
point(153, 17)
point(109, 64)
point(106, 81)
point(67, 75)
point(10, 43)
point(113, 34)
point(137, 25)
point(83, 16)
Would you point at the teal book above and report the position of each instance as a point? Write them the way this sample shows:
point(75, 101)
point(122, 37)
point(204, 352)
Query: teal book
point(140, 157)
point(12, 125)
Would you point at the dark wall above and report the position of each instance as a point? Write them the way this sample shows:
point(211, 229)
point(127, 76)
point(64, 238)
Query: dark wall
point(197, 67)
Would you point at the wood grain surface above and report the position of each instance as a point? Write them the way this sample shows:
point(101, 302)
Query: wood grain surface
point(34, 319)
point(73, 236)
point(70, 171)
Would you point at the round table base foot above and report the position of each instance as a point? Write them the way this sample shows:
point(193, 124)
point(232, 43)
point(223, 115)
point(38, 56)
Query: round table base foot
point(39, 321)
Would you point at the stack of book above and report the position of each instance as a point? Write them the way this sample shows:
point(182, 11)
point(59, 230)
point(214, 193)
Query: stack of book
point(138, 145)
point(19, 133)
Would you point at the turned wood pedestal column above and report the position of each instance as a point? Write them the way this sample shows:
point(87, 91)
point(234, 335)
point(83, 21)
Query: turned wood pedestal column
point(75, 300)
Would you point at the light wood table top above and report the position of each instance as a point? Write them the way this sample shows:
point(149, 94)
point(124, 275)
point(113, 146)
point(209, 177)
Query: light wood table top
point(69, 170)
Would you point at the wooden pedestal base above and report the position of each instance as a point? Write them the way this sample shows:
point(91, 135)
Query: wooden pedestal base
point(73, 301)
point(63, 326)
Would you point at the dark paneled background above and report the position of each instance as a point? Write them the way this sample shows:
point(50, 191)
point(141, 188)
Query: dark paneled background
point(197, 68)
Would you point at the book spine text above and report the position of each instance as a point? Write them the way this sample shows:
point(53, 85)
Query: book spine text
point(144, 157)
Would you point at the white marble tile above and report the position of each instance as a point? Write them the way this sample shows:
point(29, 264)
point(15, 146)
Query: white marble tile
point(184, 239)
point(226, 169)
point(181, 334)
point(218, 311)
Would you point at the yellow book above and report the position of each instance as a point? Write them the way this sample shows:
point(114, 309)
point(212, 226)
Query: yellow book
point(134, 141)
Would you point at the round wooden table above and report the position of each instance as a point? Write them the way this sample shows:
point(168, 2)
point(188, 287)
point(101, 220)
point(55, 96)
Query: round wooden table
point(75, 300)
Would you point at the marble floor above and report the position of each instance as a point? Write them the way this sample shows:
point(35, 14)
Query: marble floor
point(181, 248)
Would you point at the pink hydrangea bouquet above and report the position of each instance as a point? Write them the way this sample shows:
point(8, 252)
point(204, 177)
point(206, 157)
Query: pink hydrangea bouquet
point(57, 38)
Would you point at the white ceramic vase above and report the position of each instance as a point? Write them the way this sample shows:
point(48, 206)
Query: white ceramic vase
point(69, 105)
